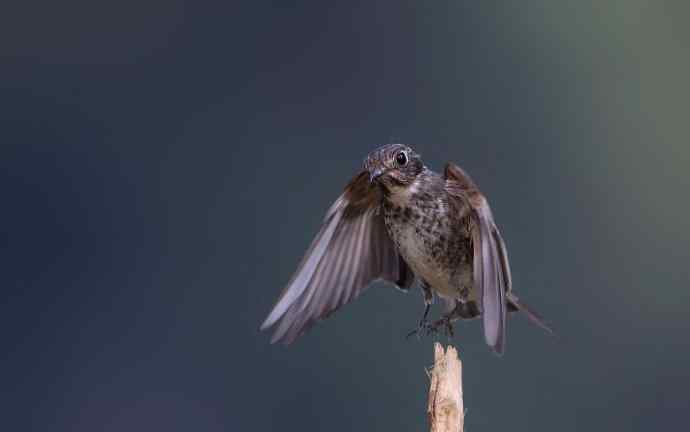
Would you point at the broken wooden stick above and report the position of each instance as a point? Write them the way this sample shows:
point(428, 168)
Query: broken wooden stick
point(445, 409)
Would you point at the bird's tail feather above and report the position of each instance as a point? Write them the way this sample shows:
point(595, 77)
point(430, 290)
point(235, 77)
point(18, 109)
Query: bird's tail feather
point(533, 316)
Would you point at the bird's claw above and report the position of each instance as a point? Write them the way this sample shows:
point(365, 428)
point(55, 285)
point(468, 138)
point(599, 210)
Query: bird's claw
point(447, 326)
point(430, 328)
point(424, 327)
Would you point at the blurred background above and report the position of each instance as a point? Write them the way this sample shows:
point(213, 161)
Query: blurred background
point(165, 164)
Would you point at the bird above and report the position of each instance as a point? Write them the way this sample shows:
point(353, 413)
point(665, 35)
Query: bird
point(400, 222)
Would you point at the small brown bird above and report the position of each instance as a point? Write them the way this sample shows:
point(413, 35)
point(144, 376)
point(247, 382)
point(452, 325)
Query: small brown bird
point(399, 221)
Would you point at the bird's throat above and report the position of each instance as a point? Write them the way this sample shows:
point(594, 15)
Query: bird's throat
point(401, 194)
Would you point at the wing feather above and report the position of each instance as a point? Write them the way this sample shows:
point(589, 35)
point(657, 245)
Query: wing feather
point(351, 249)
point(491, 271)
point(299, 280)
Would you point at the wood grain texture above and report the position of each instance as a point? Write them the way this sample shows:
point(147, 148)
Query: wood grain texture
point(445, 408)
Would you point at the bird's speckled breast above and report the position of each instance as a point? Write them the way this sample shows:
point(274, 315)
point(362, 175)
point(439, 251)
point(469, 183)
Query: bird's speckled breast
point(431, 237)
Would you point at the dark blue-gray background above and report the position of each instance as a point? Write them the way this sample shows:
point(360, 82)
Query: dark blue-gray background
point(165, 165)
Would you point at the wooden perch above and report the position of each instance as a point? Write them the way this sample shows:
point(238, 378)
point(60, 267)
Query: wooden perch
point(446, 411)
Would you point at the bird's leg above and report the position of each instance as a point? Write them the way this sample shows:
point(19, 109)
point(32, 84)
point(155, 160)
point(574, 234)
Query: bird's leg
point(446, 321)
point(428, 300)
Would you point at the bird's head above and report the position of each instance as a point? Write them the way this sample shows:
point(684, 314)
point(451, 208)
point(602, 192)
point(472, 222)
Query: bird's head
point(393, 166)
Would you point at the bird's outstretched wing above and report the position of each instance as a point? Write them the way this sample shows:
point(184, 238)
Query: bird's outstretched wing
point(491, 268)
point(351, 250)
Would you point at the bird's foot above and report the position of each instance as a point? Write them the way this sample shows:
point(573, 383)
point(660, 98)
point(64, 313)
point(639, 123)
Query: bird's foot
point(426, 328)
point(443, 325)
point(423, 328)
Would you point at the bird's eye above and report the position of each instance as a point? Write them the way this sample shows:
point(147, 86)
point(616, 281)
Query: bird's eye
point(401, 158)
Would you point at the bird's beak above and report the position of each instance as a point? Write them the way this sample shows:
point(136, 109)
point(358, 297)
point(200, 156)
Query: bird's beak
point(373, 175)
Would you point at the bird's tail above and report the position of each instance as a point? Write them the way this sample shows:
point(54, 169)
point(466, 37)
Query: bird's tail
point(534, 317)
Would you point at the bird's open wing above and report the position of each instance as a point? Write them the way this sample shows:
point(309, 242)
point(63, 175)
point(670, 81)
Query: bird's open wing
point(351, 250)
point(491, 268)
